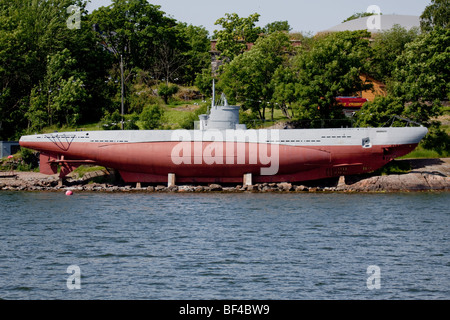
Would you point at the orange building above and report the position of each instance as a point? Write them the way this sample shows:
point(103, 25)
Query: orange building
point(379, 88)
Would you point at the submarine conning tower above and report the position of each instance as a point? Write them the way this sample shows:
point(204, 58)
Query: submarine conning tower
point(221, 117)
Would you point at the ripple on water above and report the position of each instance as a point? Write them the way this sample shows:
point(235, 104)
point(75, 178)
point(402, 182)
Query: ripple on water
point(219, 246)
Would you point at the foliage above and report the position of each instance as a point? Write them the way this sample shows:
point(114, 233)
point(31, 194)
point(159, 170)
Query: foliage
point(196, 56)
point(113, 121)
point(142, 95)
point(150, 118)
point(358, 15)
point(30, 158)
point(167, 90)
point(58, 98)
point(379, 112)
point(188, 122)
point(236, 33)
point(248, 78)
point(277, 26)
point(284, 89)
point(330, 69)
point(34, 43)
point(133, 29)
point(422, 75)
point(437, 14)
point(387, 46)
point(204, 80)
point(437, 139)
point(419, 83)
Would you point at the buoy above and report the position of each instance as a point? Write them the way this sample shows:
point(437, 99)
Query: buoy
point(69, 193)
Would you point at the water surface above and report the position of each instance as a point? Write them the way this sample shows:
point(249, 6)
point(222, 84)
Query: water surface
point(224, 246)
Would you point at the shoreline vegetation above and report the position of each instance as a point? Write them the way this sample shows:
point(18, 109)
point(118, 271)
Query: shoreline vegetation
point(411, 175)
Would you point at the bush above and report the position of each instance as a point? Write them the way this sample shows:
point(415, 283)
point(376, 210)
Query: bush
point(167, 90)
point(113, 121)
point(150, 118)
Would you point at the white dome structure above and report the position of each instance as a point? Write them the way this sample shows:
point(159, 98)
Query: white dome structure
point(377, 23)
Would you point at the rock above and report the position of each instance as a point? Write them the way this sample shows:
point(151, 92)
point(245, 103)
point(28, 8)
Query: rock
point(437, 181)
point(284, 186)
point(215, 187)
point(251, 188)
point(199, 189)
point(269, 188)
point(185, 189)
point(160, 188)
point(151, 189)
point(414, 182)
point(229, 189)
point(301, 188)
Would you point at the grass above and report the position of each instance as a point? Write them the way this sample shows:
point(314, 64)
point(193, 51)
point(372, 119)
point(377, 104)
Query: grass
point(82, 170)
point(421, 153)
point(173, 117)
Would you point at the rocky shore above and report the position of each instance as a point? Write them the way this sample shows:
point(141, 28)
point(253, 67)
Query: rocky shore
point(425, 175)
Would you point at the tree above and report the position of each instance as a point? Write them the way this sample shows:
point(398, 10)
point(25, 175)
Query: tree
point(379, 112)
point(30, 32)
point(387, 46)
point(277, 26)
point(236, 33)
point(437, 14)
point(248, 78)
point(150, 117)
point(422, 75)
point(167, 90)
point(419, 84)
point(133, 29)
point(197, 56)
point(203, 81)
point(58, 97)
point(283, 84)
point(331, 68)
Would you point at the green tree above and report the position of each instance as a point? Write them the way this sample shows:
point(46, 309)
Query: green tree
point(236, 32)
point(437, 14)
point(133, 29)
point(277, 26)
point(248, 78)
point(379, 112)
point(167, 90)
point(204, 80)
point(61, 93)
point(422, 81)
point(331, 68)
point(422, 75)
point(197, 56)
point(419, 84)
point(387, 46)
point(284, 89)
point(150, 117)
point(30, 32)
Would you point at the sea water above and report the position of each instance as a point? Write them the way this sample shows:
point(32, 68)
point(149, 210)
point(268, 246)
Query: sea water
point(224, 246)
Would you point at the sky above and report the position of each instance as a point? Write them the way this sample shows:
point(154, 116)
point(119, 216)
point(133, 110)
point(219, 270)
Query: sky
point(309, 16)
